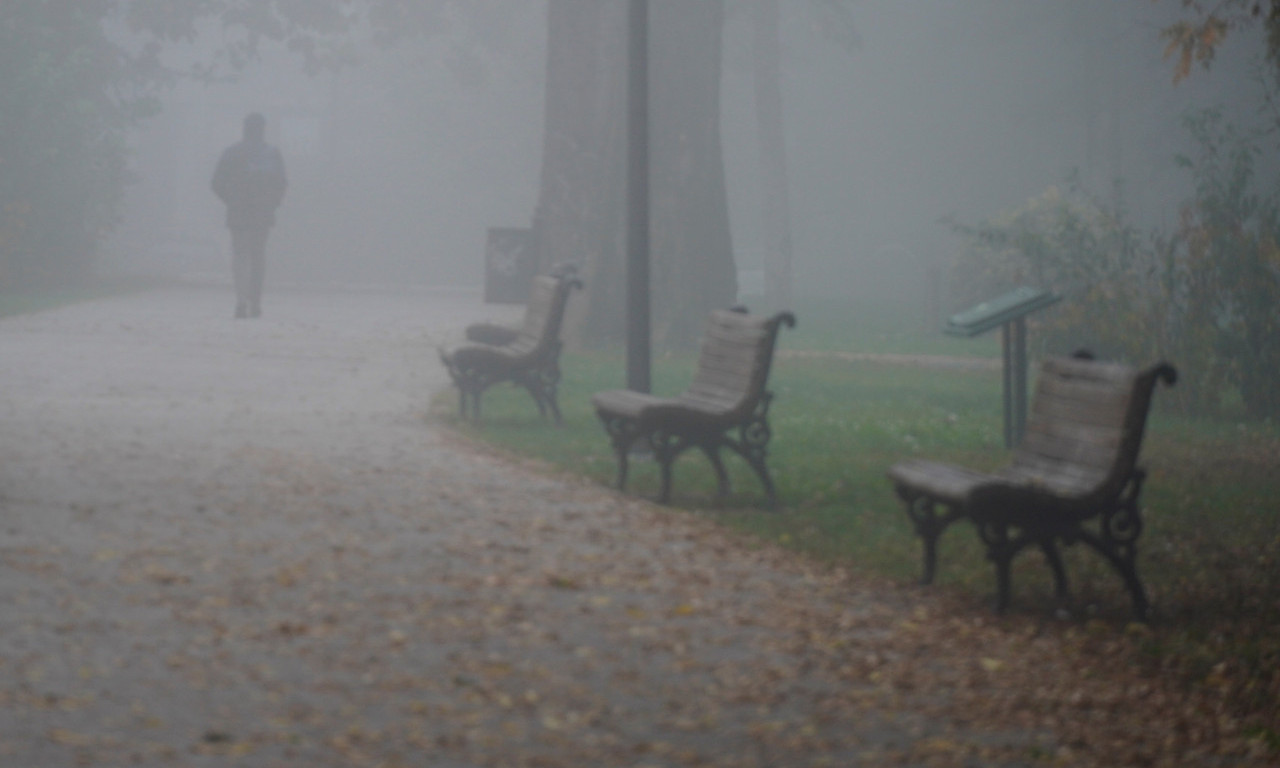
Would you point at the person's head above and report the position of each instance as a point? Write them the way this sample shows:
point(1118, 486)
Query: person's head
point(255, 127)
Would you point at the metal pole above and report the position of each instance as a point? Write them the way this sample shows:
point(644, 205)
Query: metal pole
point(1019, 379)
point(638, 323)
point(1006, 346)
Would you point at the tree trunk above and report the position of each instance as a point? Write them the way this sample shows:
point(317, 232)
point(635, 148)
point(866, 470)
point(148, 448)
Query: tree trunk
point(693, 268)
point(580, 216)
point(776, 214)
point(580, 210)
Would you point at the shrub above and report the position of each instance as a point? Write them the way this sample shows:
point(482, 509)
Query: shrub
point(1116, 285)
point(1229, 262)
point(1206, 298)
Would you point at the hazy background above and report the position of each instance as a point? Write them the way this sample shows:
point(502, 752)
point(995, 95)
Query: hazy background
point(946, 108)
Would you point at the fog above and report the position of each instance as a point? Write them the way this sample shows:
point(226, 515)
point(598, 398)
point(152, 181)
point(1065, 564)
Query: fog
point(951, 108)
point(396, 165)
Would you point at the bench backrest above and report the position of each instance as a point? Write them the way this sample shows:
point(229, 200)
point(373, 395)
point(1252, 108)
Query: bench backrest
point(544, 313)
point(1086, 424)
point(734, 360)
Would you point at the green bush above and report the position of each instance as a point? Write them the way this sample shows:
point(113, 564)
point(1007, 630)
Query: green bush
point(68, 98)
point(1229, 262)
point(1117, 287)
point(1205, 298)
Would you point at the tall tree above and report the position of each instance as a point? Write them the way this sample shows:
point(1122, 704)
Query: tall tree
point(579, 216)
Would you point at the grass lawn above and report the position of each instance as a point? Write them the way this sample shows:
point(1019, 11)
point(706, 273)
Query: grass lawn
point(1209, 555)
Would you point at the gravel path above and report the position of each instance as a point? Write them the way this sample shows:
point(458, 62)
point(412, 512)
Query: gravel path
point(242, 543)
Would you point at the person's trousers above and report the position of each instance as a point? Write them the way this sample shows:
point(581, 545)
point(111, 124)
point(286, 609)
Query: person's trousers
point(248, 268)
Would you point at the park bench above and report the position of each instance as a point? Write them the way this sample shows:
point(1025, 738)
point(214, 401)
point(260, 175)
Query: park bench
point(725, 406)
point(1074, 477)
point(527, 356)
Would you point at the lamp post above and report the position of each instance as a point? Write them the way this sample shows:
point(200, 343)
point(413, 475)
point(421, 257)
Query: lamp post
point(638, 322)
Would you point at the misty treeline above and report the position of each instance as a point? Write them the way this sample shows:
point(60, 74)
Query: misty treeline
point(76, 77)
point(1205, 292)
point(80, 75)
point(79, 79)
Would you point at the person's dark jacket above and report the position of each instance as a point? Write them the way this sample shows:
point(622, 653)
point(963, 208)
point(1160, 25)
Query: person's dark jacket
point(250, 179)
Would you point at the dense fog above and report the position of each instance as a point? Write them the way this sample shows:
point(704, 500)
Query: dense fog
point(396, 165)
point(951, 108)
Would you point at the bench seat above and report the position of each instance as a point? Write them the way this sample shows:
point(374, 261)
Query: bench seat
point(1074, 477)
point(527, 356)
point(725, 406)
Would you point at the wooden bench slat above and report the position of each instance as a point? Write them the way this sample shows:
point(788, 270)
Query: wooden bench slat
point(725, 354)
point(727, 369)
point(1056, 439)
point(1073, 440)
point(1062, 480)
point(1102, 408)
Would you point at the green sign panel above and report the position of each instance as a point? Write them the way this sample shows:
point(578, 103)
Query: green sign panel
point(1000, 310)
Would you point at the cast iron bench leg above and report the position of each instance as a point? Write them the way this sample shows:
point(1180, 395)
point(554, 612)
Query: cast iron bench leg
point(621, 447)
point(551, 384)
point(665, 450)
point(622, 435)
point(1124, 560)
point(763, 473)
point(549, 397)
point(1054, 558)
point(622, 467)
point(722, 477)
point(755, 457)
point(924, 517)
point(1000, 551)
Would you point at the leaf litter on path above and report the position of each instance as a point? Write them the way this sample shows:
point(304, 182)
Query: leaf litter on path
point(339, 585)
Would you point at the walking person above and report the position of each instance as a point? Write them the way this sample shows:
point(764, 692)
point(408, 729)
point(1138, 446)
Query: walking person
point(250, 180)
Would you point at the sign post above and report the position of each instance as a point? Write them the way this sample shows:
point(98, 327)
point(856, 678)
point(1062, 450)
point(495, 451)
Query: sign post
point(1009, 311)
